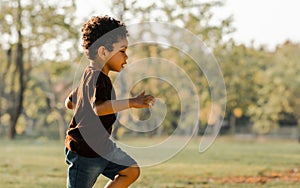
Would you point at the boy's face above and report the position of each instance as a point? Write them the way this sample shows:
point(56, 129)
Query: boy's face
point(118, 56)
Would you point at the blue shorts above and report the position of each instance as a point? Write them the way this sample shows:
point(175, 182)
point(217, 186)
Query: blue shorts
point(84, 171)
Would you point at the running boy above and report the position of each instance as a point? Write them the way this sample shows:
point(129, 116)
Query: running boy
point(89, 150)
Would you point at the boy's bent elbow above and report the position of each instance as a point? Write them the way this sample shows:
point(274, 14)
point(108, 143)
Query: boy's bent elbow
point(96, 111)
point(68, 104)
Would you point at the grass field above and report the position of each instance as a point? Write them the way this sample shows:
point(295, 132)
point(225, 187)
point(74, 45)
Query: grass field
point(230, 162)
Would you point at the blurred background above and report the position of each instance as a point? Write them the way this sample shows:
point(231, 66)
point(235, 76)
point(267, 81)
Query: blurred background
point(256, 43)
point(40, 52)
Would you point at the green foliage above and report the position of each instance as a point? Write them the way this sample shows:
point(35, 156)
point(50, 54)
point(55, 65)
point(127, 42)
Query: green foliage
point(197, 18)
point(49, 35)
point(276, 87)
point(262, 86)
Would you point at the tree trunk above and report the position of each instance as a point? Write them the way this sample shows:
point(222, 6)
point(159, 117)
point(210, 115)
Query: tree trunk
point(20, 93)
point(298, 130)
point(20, 70)
point(232, 124)
point(62, 125)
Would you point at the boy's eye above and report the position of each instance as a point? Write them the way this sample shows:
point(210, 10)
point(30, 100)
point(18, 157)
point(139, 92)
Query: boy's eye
point(122, 51)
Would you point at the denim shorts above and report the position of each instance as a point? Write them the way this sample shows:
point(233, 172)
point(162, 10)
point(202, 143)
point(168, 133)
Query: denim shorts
point(84, 171)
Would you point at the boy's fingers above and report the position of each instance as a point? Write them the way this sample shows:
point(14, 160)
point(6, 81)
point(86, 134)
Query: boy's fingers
point(150, 100)
point(148, 96)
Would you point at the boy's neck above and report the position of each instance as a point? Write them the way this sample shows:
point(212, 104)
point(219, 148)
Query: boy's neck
point(99, 66)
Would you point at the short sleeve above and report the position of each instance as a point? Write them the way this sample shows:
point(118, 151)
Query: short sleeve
point(101, 90)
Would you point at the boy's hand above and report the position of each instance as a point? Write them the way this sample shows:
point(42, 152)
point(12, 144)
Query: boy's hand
point(142, 101)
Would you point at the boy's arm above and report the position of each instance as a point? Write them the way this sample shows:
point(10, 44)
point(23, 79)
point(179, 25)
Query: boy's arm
point(113, 106)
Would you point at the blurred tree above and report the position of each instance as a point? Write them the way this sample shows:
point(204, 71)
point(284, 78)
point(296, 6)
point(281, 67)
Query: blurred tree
point(239, 67)
point(286, 73)
point(193, 15)
point(277, 88)
point(260, 84)
point(35, 32)
point(15, 93)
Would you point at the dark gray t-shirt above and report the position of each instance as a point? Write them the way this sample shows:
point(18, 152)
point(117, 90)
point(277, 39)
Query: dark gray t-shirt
point(88, 134)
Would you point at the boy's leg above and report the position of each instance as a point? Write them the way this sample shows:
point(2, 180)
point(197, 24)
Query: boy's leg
point(82, 172)
point(125, 178)
point(121, 169)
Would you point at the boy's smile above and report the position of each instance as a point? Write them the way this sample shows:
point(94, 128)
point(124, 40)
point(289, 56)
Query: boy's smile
point(116, 58)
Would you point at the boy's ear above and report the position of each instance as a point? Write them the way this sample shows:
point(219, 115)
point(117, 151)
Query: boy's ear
point(102, 52)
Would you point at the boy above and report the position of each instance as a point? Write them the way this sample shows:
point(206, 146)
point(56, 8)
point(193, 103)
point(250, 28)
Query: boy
point(89, 150)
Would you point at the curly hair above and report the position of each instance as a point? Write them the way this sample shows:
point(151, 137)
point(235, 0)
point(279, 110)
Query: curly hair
point(102, 31)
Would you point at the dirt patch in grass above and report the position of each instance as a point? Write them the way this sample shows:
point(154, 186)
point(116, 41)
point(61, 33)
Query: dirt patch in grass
point(292, 175)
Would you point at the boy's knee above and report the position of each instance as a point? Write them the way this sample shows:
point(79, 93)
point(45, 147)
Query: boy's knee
point(134, 172)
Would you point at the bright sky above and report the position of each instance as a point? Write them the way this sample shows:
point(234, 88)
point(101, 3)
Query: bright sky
point(266, 22)
point(269, 22)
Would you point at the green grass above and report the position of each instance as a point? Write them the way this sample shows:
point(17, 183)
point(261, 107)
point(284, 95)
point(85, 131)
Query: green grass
point(38, 163)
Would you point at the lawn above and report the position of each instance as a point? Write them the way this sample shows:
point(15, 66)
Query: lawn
point(230, 162)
